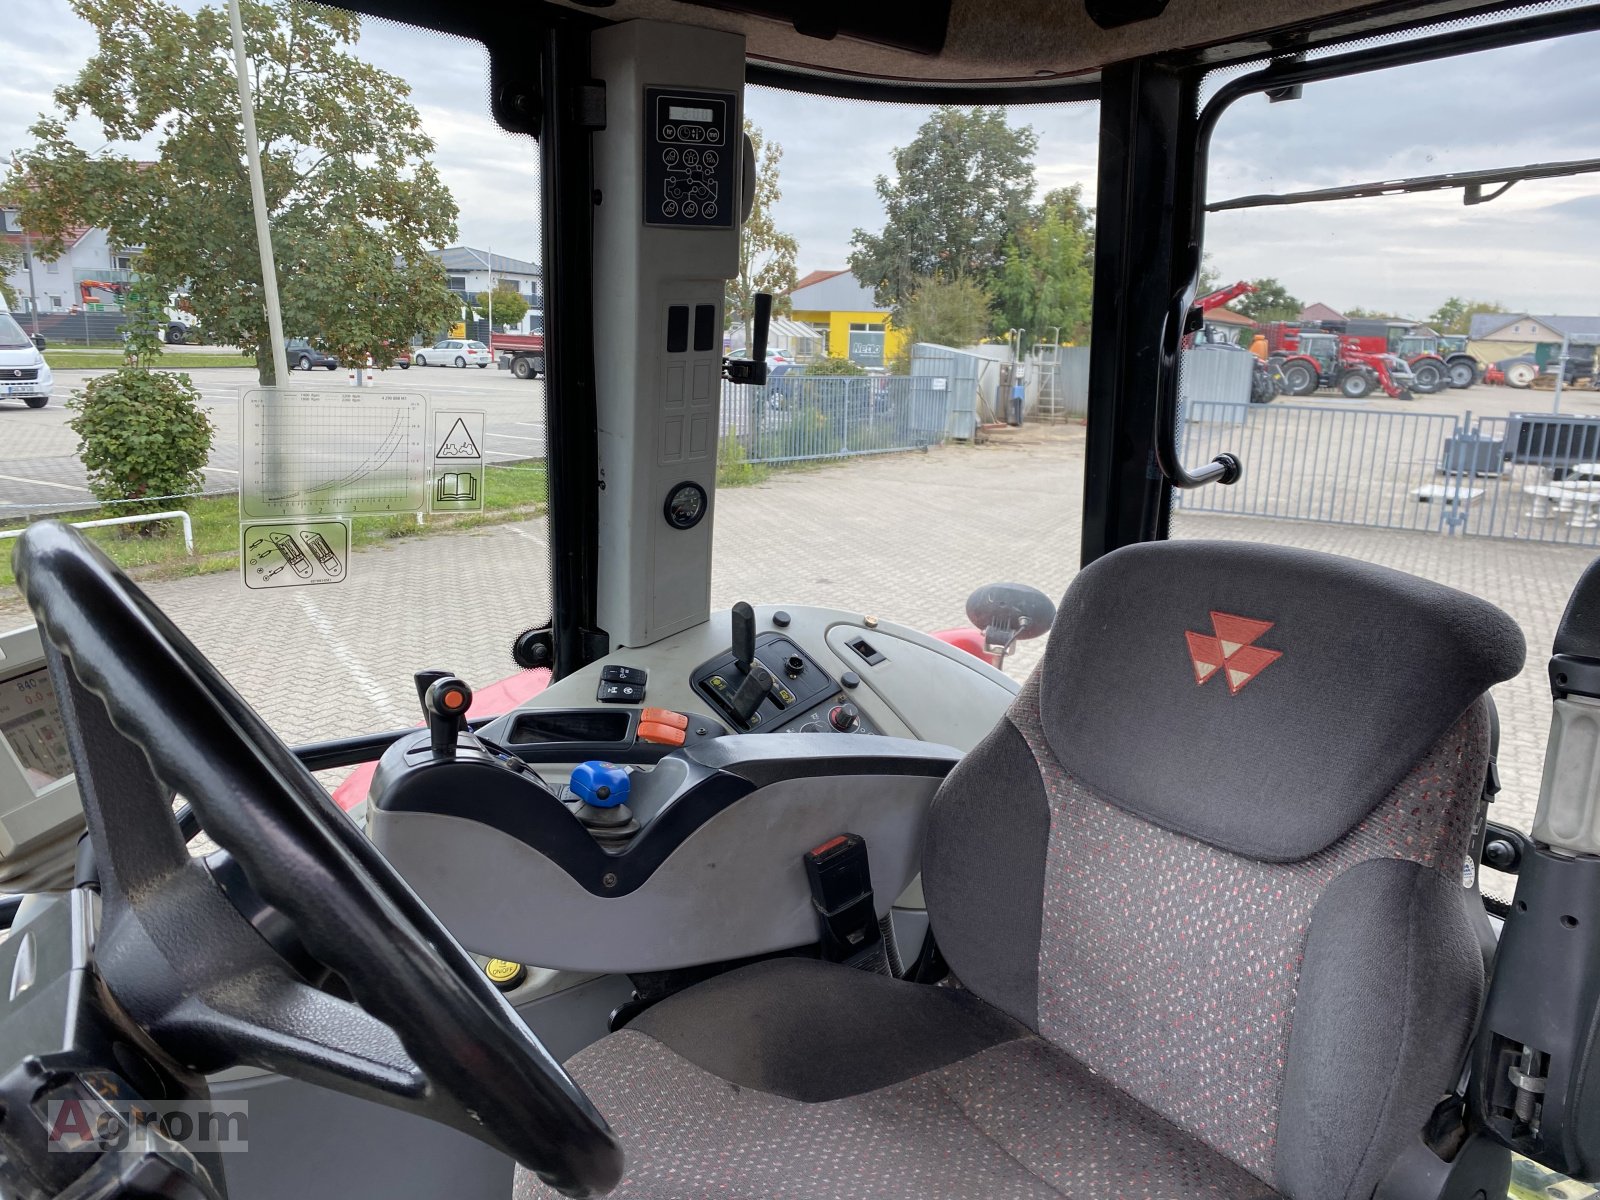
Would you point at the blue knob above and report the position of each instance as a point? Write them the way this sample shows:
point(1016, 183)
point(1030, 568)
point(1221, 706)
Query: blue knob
point(600, 784)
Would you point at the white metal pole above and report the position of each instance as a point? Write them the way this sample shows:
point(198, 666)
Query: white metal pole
point(258, 202)
point(491, 295)
point(1561, 370)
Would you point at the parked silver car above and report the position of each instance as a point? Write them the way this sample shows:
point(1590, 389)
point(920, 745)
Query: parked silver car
point(453, 352)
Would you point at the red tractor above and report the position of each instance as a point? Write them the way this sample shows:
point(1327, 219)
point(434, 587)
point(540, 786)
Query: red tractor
point(1433, 365)
point(1309, 359)
point(1422, 351)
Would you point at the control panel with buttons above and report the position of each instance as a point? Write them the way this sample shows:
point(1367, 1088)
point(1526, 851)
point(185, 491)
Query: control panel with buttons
point(622, 685)
point(800, 696)
point(691, 151)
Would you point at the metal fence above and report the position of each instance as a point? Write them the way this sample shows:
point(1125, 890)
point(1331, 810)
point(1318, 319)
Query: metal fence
point(1533, 477)
point(797, 418)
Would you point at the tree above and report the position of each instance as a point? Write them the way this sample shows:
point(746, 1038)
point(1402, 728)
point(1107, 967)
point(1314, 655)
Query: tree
point(766, 253)
point(1047, 279)
point(352, 197)
point(10, 260)
point(1372, 314)
point(1455, 314)
point(1270, 301)
point(948, 312)
point(510, 305)
point(960, 191)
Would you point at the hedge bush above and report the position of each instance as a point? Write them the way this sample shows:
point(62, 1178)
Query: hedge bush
point(141, 433)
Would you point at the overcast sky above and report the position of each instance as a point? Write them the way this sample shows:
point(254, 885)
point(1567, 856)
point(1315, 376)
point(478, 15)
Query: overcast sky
point(1534, 248)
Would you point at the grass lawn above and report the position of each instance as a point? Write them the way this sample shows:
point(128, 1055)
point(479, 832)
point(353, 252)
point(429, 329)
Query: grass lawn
point(176, 360)
point(511, 493)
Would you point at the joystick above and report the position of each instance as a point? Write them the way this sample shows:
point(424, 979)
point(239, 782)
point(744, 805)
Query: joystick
point(445, 703)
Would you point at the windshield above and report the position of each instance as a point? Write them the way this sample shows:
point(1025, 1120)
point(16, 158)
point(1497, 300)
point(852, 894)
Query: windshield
point(928, 284)
point(374, 515)
point(11, 335)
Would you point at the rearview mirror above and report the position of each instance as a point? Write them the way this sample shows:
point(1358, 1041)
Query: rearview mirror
point(1008, 613)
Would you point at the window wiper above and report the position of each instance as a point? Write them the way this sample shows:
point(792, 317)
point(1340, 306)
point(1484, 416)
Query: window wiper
point(1471, 183)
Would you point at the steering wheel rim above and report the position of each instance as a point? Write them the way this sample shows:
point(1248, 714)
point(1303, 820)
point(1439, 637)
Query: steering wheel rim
point(480, 1067)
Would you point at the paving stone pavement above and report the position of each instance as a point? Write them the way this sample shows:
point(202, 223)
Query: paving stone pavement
point(905, 537)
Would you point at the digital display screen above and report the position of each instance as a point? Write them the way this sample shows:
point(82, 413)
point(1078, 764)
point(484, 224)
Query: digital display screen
point(681, 112)
point(31, 724)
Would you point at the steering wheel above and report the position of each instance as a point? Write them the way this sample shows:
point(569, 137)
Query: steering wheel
point(215, 986)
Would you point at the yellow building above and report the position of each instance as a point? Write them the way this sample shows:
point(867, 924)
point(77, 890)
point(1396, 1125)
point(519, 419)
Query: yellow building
point(843, 312)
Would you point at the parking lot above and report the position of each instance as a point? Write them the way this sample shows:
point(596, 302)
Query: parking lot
point(39, 467)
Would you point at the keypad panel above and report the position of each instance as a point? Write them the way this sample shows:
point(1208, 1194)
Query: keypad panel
point(689, 159)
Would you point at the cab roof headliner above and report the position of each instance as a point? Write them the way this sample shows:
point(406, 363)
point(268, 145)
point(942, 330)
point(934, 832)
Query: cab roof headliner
point(1000, 49)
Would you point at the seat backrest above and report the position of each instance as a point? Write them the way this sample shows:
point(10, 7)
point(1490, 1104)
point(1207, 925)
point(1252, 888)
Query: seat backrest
point(1216, 850)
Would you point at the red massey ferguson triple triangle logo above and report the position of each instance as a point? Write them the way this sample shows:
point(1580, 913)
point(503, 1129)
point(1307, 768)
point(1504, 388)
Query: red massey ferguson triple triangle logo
point(1232, 652)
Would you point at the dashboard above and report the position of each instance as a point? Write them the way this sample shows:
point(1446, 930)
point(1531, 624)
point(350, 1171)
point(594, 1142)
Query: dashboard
point(653, 810)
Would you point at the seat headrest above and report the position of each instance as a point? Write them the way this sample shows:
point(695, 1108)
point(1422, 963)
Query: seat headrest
point(1258, 698)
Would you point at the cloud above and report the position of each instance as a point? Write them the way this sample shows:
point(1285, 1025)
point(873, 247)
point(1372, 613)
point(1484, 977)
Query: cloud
point(1532, 103)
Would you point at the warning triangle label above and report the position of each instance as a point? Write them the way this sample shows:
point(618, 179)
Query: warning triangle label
point(458, 443)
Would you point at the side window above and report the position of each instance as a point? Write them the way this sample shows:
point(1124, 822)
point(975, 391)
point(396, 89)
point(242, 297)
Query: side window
point(348, 515)
point(1469, 453)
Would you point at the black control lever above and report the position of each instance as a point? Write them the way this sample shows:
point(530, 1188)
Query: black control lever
point(424, 681)
point(446, 702)
point(747, 699)
point(744, 635)
point(753, 369)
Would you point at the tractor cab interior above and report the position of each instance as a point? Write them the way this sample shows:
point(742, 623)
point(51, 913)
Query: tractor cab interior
point(1161, 879)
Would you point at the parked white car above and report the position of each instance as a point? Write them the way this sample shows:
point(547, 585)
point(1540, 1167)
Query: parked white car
point(24, 375)
point(453, 352)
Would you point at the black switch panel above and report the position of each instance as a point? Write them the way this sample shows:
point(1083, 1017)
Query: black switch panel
point(690, 154)
point(619, 693)
point(617, 673)
point(794, 694)
point(705, 326)
point(677, 328)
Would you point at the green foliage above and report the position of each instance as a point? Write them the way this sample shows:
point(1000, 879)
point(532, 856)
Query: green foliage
point(141, 433)
point(834, 366)
point(734, 468)
point(766, 253)
point(353, 199)
point(947, 312)
point(1047, 280)
point(10, 260)
point(510, 305)
point(1372, 314)
point(959, 193)
point(1270, 301)
point(1455, 314)
point(144, 318)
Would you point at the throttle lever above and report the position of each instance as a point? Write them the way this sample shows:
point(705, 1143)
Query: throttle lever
point(747, 699)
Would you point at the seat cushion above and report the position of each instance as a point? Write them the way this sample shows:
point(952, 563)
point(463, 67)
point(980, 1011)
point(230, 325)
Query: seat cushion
point(1004, 1114)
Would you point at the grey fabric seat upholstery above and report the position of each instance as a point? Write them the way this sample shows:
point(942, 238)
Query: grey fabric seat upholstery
point(1203, 888)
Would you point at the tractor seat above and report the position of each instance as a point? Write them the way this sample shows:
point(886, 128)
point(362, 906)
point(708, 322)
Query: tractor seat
point(1203, 891)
